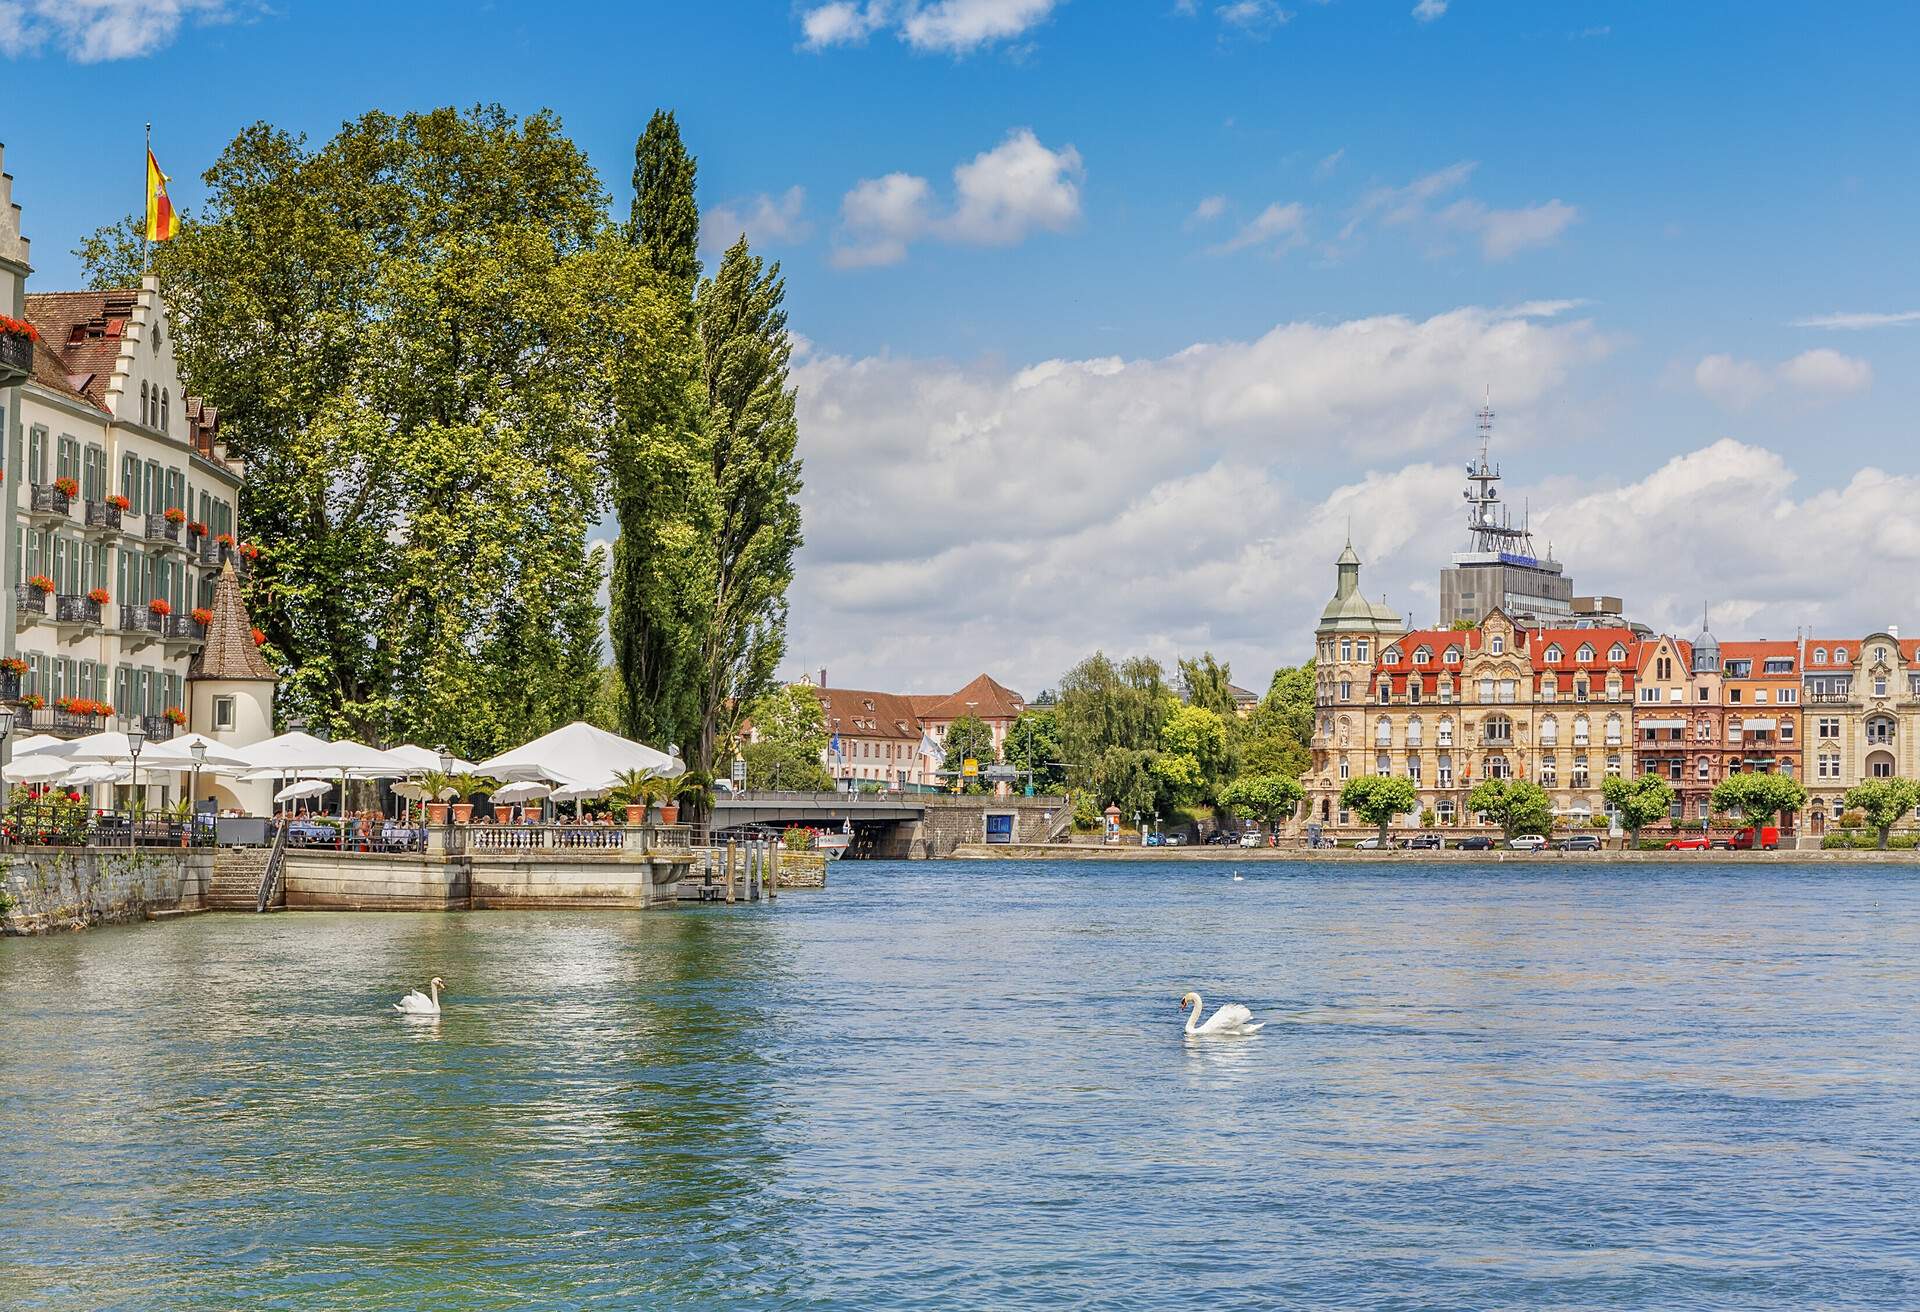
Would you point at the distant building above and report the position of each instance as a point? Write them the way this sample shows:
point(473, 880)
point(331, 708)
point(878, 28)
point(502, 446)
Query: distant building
point(876, 738)
point(1500, 569)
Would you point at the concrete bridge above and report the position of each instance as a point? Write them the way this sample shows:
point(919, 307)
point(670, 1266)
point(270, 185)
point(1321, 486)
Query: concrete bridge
point(897, 825)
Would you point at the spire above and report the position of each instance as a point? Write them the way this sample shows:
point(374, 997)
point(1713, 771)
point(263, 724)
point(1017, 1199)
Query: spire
point(230, 651)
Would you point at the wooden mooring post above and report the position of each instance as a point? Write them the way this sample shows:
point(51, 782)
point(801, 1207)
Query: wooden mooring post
point(774, 847)
point(733, 846)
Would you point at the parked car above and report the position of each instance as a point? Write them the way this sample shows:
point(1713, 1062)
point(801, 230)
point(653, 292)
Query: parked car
point(1526, 842)
point(1426, 843)
point(1221, 838)
point(1698, 843)
point(1375, 845)
point(1767, 839)
point(1579, 843)
point(1251, 840)
point(1170, 840)
point(1473, 843)
point(1155, 840)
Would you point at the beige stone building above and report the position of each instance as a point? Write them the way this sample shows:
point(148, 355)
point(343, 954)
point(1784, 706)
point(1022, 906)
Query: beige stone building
point(1861, 711)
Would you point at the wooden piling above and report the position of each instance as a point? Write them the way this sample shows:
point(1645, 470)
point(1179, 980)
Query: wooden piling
point(775, 846)
point(733, 845)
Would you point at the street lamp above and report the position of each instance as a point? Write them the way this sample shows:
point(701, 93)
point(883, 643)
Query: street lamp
point(6, 730)
point(199, 754)
point(136, 739)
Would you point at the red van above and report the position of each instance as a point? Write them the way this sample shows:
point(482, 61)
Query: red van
point(1766, 838)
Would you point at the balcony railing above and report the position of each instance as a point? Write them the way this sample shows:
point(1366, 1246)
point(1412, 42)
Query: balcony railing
point(138, 619)
point(29, 602)
point(181, 628)
point(1829, 698)
point(46, 499)
point(59, 723)
point(10, 685)
point(102, 515)
point(158, 728)
point(161, 529)
point(69, 608)
point(207, 552)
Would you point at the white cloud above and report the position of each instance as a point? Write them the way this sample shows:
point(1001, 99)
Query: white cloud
point(954, 27)
point(1737, 384)
point(93, 31)
point(1860, 319)
point(1253, 15)
point(1000, 197)
point(1278, 228)
point(1328, 163)
point(766, 220)
point(1138, 503)
point(1501, 233)
point(1428, 10)
point(1209, 209)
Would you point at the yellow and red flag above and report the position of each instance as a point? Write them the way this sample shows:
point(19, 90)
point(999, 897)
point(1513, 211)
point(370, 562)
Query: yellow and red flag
point(162, 222)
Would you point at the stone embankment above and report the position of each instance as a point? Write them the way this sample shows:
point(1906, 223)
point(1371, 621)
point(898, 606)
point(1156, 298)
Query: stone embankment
point(1447, 856)
point(48, 889)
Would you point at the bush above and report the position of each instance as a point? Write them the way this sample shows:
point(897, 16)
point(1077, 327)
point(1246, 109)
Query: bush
point(1086, 813)
point(798, 840)
point(1864, 840)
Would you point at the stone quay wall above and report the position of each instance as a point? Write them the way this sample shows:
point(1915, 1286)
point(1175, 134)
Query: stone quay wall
point(951, 821)
point(55, 888)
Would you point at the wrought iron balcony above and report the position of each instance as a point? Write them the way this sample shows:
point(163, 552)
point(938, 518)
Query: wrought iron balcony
point(138, 619)
point(207, 552)
point(16, 359)
point(158, 728)
point(46, 499)
point(102, 515)
point(161, 529)
point(29, 603)
point(181, 628)
point(69, 608)
point(59, 723)
point(10, 689)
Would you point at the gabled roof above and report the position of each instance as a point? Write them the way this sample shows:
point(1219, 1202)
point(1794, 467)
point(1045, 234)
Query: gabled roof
point(81, 331)
point(857, 711)
point(983, 698)
point(1570, 641)
point(230, 652)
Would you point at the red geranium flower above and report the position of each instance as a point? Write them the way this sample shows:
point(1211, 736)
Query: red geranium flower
point(259, 638)
point(160, 606)
point(18, 328)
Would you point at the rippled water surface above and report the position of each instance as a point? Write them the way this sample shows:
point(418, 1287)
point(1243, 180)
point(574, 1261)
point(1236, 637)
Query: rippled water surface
point(964, 1085)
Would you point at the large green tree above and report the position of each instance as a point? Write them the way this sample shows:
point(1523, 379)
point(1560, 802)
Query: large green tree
point(1033, 748)
point(1761, 799)
point(1377, 799)
point(1271, 799)
point(406, 330)
point(969, 739)
point(1103, 704)
point(790, 736)
point(1209, 684)
point(1193, 760)
point(1641, 801)
point(1518, 806)
point(1884, 802)
point(1276, 737)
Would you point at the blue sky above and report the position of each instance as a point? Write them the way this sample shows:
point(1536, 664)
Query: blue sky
point(1008, 223)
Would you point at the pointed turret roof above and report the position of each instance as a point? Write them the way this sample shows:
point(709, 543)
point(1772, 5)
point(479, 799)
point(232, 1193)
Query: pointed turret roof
point(230, 651)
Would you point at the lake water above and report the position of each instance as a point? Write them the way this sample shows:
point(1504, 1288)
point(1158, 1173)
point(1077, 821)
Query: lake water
point(964, 1085)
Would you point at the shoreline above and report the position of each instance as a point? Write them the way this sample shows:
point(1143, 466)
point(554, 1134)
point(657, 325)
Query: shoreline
point(1090, 852)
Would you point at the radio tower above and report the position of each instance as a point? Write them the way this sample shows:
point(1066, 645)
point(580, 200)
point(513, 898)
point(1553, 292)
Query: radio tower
point(1490, 527)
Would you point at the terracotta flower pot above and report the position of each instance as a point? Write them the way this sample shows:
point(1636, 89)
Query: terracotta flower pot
point(669, 813)
point(462, 812)
point(436, 813)
point(533, 812)
point(636, 815)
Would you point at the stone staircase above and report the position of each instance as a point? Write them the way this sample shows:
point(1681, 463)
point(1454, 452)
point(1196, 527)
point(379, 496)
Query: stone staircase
point(237, 872)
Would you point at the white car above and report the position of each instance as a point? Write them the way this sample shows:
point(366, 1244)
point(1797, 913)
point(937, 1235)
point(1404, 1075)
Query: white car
point(1249, 840)
point(1526, 842)
point(1375, 845)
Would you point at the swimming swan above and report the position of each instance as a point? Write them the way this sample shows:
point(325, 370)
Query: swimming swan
point(1230, 1019)
point(417, 1003)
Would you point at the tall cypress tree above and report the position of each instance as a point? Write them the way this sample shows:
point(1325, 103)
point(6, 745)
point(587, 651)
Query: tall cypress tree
point(656, 461)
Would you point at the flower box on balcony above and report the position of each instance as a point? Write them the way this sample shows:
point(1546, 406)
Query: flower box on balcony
point(46, 499)
point(161, 529)
point(17, 337)
point(102, 515)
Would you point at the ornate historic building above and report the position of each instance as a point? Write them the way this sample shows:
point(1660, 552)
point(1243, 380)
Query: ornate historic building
point(1862, 715)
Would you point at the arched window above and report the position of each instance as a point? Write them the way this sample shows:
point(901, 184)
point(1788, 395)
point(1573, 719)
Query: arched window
point(1497, 767)
point(1549, 732)
point(1383, 731)
point(1497, 729)
point(1702, 730)
point(1383, 765)
point(1584, 655)
point(1445, 735)
point(1414, 732)
point(1613, 764)
point(1880, 730)
point(1422, 654)
point(1839, 655)
point(1580, 731)
point(1880, 655)
point(1552, 654)
point(146, 418)
point(1497, 644)
point(1613, 731)
point(1702, 768)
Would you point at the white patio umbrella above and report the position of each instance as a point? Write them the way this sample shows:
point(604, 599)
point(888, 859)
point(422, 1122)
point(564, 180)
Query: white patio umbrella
point(425, 758)
point(304, 788)
point(99, 772)
point(35, 742)
point(177, 753)
point(529, 791)
point(109, 746)
point(299, 753)
point(582, 756)
point(37, 768)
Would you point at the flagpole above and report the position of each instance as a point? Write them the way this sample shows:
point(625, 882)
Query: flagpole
point(146, 220)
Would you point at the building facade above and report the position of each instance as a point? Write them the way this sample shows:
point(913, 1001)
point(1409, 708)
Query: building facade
point(1862, 714)
point(124, 512)
point(14, 271)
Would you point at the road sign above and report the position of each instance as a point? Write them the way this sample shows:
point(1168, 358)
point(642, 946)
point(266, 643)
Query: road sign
point(1002, 773)
point(969, 767)
point(739, 771)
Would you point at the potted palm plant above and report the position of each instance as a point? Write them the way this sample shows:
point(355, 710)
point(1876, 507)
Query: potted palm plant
point(633, 791)
point(438, 786)
point(693, 792)
point(465, 786)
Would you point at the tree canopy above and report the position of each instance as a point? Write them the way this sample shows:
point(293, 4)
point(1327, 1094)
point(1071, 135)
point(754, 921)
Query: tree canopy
point(1884, 803)
point(1271, 799)
point(1641, 801)
point(1518, 806)
point(969, 738)
point(1761, 799)
point(790, 736)
point(1033, 744)
point(1377, 799)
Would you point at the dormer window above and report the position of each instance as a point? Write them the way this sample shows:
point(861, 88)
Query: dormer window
point(1584, 655)
point(1422, 655)
point(1497, 644)
point(1819, 655)
point(1453, 656)
point(1391, 656)
point(1616, 652)
point(1553, 655)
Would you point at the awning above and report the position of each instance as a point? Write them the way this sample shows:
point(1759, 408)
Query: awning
point(1758, 724)
point(1659, 724)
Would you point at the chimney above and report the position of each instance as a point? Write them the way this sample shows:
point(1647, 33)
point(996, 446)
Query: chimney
point(1893, 631)
point(823, 676)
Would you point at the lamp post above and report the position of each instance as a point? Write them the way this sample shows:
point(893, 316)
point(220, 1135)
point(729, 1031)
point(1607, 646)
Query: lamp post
point(136, 739)
point(6, 731)
point(199, 754)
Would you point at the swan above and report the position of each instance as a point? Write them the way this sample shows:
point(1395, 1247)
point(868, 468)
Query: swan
point(417, 1003)
point(1230, 1019)
point(1238, 878)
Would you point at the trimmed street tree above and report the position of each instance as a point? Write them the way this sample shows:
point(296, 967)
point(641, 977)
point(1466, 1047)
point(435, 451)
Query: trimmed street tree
point(1270, 799)
point(1518, 806)
point(1378, 798)
point(1641, 801)
point(1884, 802)
point(1033, 744)
point(791, 732)
point(1761, 799)
point(969, 738)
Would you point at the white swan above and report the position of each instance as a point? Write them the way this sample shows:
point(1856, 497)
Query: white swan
point(417, 1003)
point(1230, 1019)
point(1238, 877)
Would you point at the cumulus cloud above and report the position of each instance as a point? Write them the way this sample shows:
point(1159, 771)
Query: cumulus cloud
point(1000, 197)
point(1857, 320)
point(955, 27)
point(93, 31)
point(765, 220)
point(1253, 15)
point(1736, 384)
point(1165, 503)
point(1502, 233)
point(1428, 10)
point(1278, 228)
point(1209, 209)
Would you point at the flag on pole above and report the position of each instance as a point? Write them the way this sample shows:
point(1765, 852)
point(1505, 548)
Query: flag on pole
point(162, 222)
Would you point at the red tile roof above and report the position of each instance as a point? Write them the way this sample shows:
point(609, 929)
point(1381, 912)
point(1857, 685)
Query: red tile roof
point(82, 331)
point(858, 712)
point(983, 698)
